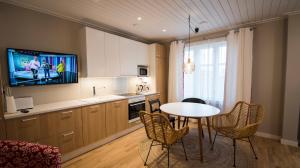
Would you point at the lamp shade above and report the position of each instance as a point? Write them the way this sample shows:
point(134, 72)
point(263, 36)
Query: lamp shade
point(189, 67)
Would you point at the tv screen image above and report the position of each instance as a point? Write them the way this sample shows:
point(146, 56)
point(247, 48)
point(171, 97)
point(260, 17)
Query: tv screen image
point(28, 67)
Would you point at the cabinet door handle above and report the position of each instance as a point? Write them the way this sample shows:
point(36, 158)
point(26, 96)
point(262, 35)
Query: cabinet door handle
point(92, 107)
point(28, 119)
point(67, 112)
point(117, 104)
point(93, 111)
point(68, 134)
point(136, 104)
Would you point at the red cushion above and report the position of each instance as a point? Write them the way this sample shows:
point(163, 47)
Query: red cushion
point(24, 155)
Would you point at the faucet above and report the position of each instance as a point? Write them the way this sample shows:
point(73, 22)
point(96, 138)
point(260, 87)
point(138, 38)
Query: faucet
point(94, 91)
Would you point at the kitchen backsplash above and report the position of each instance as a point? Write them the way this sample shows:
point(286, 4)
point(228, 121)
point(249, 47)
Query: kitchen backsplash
point(83, 89)
point(103, 86)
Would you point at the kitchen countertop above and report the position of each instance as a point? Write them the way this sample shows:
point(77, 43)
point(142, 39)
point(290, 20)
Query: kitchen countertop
point(140, 94)
point(63, 105)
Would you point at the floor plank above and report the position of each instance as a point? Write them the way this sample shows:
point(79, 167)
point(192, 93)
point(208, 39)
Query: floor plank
point(124, 153)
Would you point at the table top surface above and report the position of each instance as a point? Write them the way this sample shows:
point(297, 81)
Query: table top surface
point(191, 110)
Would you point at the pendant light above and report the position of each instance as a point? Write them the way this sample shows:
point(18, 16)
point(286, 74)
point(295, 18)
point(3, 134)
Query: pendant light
point(189, 66)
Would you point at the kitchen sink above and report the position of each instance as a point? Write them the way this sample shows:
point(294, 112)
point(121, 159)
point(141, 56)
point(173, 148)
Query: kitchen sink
point(101, 98)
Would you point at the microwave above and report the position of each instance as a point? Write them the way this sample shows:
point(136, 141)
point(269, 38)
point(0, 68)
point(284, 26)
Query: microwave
point(142, 70)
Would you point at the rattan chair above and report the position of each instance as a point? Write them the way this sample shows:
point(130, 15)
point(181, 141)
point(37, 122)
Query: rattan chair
point(154, 107)
point(159, 130)
point(239, 124)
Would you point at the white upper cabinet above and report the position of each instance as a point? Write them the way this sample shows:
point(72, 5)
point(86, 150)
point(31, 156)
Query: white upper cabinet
point(128, 59)
point(108, 55)
point(94, 59)
point(132, 54)
point(112, 54)
point(142, 53)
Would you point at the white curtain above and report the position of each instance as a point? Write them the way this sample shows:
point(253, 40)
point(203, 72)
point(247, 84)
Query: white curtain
point(175, 84)
point(207, 82)
point(238, 67)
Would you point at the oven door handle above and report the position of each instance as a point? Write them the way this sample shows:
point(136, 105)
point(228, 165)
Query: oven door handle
point(136, 104)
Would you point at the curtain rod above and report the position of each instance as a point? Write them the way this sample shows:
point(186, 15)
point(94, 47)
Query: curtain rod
point(238, 29)
point(208, 37)
point(216, 35)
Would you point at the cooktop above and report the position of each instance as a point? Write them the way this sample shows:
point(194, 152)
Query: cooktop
point(129, 94)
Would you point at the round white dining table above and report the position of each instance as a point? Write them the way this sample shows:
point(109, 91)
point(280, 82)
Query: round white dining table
point(192, 110)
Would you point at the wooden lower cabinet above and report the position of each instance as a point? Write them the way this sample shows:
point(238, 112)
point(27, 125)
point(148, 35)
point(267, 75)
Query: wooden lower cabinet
point(62, 129)
point(67, 141)
point(151, 97)
point(93, 123)
point(122, 118)
point(2, 129)
point(116, 117)
point(70, 136)
point(52, 141)
point(79, 142)
point(48, 129)
point(73, 128)
point(25, 129)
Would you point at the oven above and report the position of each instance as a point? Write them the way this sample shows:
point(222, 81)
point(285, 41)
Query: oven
point(134, 107)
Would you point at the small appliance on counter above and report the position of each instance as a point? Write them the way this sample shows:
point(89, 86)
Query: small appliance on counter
point(24, 103)
point(11, 104)
point(143, 86)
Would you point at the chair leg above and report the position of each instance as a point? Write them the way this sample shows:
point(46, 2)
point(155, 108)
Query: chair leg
point(148, 153)
point(212, 145)
point(184, 149)
point(187, 121)
point(178, 124)
point(208, 129)
point(173, 124)
point(184, 121)
point(234, 151)
point(168, 156)
point(252, 148)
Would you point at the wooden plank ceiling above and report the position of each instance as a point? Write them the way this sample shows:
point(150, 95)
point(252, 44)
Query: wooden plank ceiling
point(171, 15)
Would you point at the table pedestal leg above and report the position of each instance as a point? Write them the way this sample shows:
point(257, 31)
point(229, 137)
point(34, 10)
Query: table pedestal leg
point(200, 139)
point(208, 128)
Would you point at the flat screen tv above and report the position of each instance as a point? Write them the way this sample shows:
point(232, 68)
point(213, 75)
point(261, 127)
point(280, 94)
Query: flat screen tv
point(29, 67)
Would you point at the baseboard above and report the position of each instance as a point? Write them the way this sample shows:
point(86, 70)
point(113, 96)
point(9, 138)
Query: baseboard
point(90, 147)
point(267, 135)
point(289, 142)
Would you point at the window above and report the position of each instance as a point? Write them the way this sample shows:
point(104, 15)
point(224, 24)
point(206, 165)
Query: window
point(207, 82)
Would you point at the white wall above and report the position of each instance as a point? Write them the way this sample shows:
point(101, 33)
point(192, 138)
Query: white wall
point(292, 83)
point(27, 29)
point(269, 54)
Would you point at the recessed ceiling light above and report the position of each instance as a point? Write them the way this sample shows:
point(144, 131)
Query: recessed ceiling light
point(139, 18)
point(164, 30)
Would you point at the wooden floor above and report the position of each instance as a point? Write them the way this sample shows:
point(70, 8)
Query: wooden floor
point(124, 153)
